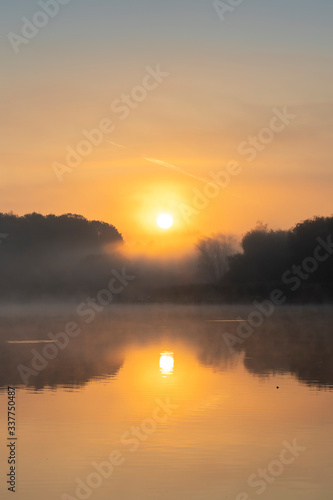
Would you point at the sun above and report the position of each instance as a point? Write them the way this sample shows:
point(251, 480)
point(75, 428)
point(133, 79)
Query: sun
point(164, 221)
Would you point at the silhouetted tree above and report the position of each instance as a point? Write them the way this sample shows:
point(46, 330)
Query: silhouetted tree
point(303, 241)
point(214, 253)
point(264, 257)
point(268, 254)
point(42, 254)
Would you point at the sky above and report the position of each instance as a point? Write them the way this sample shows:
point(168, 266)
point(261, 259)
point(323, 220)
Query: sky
point(178, 90)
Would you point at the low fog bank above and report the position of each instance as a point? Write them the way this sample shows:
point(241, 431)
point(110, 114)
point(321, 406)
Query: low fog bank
point(53, 258)
point(68, 258)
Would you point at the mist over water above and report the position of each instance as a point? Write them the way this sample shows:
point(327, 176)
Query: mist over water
point(68, 257)
point(232, 410)
point(199, 370)
point(295, 340)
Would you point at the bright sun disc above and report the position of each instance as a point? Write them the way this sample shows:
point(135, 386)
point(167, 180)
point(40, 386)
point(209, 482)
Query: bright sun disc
point(164, 221)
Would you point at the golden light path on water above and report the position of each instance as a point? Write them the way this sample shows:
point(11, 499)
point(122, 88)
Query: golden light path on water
point(190, 419)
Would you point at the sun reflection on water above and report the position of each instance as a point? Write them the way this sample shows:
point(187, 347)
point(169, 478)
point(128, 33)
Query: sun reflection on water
point(167, 363)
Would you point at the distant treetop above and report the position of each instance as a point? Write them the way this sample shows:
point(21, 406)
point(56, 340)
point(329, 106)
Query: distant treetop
point(67, 231)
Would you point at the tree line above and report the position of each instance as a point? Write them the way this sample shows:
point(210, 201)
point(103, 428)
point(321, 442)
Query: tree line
point(299, 260)
point(42, 255)
point(69, 255)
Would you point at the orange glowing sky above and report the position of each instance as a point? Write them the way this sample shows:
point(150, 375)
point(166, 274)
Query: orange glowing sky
point(225, 79)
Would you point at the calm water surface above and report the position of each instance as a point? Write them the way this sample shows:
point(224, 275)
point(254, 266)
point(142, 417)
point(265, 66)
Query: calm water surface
point(158, 390)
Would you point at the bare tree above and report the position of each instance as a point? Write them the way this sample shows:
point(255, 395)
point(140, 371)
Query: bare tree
point(214, 254)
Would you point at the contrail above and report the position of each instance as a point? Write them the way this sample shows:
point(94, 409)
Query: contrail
point(201, 179)
point(181, 171)
point(177, 169)
point(117, 145)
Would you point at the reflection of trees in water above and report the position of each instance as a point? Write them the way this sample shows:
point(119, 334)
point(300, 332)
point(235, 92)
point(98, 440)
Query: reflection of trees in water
point(212, 351)
point(292, 341)
point(295, 341)
point(303, 348)
point(299, 342)
point(86, 357)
